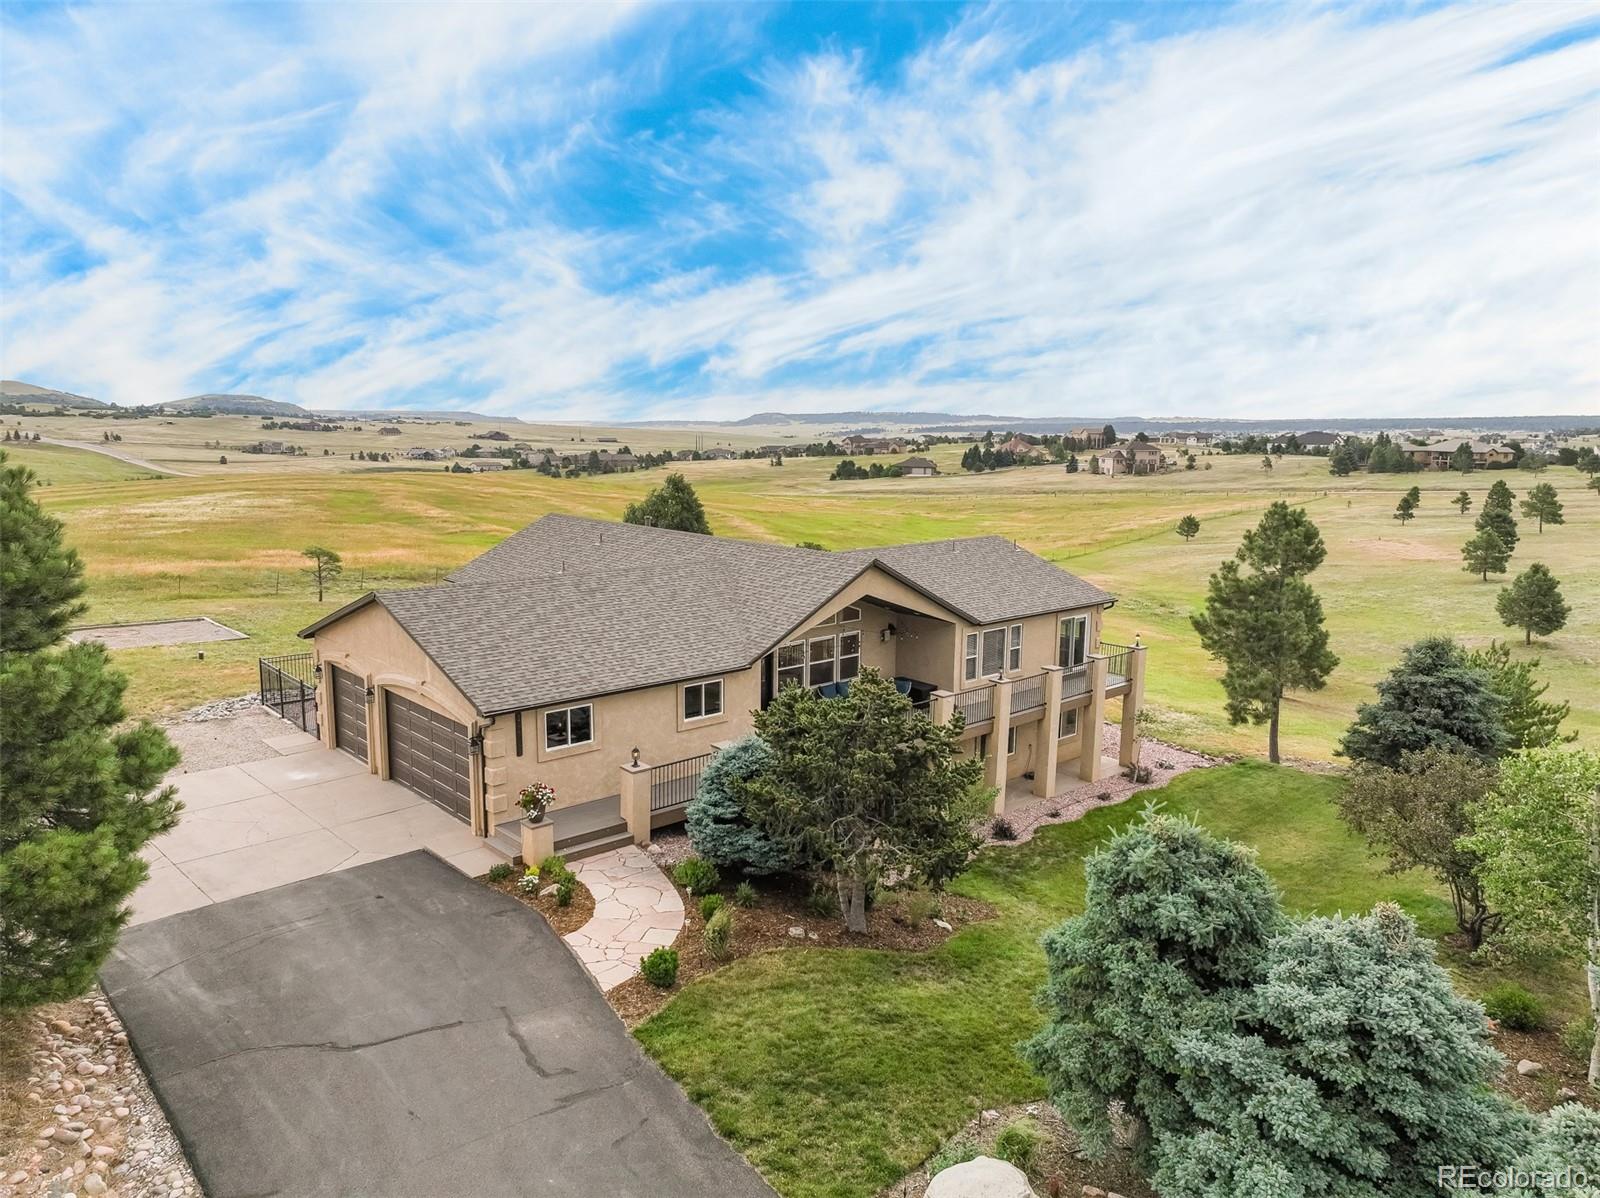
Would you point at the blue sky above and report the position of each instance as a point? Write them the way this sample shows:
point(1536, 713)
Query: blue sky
point(705, 211)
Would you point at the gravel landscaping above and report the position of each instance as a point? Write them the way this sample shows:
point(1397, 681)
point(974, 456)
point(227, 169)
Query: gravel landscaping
point(82, 1119)
point(226, 732)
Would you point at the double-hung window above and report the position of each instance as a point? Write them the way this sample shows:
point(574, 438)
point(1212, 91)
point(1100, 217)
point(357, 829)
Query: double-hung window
point(820, 660)
point(1074, 648)
point(565, 727)
point(1014, 654)
point(849, 655)
point(971, 670)
point(702, 699)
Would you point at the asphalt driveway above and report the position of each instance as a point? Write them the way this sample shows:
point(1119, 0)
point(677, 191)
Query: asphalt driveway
point(398, 1029)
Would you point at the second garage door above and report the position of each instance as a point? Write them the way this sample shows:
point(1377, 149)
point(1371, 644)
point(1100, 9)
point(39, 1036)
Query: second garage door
point(428, 754)
point(349, 713)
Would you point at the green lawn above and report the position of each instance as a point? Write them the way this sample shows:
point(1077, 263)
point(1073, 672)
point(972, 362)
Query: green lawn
point(836, 1071)
point(61, 465)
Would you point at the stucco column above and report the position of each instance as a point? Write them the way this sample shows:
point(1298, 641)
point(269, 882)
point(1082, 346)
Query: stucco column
point(635, 792)
point(1093, 716)
point(1044, 773)
point(1131, 703)
point(538, 841)
point(999, 759)
point(942, 706)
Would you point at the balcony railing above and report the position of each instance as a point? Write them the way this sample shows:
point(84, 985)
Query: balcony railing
point(976, 706)
point(1027, 694)
point(1118, 659)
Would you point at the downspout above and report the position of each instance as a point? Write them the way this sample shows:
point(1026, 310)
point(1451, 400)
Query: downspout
point(477, 743)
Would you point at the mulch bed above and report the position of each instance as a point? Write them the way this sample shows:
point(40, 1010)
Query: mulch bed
point(563, 919)
point(1543, 1090)
point(784, 904)
point(1056, 1169)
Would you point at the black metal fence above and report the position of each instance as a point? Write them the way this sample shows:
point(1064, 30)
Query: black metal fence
point(674, 784)
point(289, 687)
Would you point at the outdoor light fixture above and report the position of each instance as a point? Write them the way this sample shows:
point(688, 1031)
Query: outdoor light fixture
point(371, 694)
point(475, 742)
point(636, 756)
point(317, 669)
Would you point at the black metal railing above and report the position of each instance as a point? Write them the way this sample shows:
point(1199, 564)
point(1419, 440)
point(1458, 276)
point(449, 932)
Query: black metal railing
point(976, 706)
point(675, 783)
point(289, 687)
point(1119, 660)
point(1027, 694)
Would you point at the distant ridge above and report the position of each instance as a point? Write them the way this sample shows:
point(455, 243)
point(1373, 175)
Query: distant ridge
point(237, 405)
point(16, 391)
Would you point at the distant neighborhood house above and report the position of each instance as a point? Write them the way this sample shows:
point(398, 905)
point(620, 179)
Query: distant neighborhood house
point(1436, 454)
point(1023, 449)
point(1089, 438)
point(918, 468)
point(1131, 457)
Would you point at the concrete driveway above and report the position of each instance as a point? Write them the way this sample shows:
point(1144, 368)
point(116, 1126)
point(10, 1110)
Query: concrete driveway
point(247, 828)
point(397, 1029)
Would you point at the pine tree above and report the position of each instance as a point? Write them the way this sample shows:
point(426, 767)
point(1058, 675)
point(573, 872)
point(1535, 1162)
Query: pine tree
point(1500, 495)
point(1266, 626)
point(1485, 554)
point(718, 827)
point(78, 792)
point(1533, 603)
point(1405, 510)
point(1463, 501)
point(1529, 721)
point(1543, 506)
point(1499, 521)
point(1266, 463)
point(671, 505)
point(1188, 528)
point(326, 565)
point(1433, 696)
point(1461, 459)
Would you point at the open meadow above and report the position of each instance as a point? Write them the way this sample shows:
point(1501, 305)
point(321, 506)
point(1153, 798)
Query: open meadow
point(227, 545)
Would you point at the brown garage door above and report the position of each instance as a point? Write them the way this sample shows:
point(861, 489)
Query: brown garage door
point(349, 713)
point(428, 753)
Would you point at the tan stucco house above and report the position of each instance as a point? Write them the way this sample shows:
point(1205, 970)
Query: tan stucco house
point(609, 660)
point(1436, 455)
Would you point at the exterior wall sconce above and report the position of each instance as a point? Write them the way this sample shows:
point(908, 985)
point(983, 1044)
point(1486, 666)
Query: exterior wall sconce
point(635, 756)
point(316, 670)
point(475, 742)
point(888, 634)
point(371, 694)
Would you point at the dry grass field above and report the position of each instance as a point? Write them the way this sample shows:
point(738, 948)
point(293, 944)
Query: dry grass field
point(227, 544)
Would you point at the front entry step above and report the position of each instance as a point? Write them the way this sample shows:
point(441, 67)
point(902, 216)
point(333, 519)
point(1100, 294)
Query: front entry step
point(576, 847)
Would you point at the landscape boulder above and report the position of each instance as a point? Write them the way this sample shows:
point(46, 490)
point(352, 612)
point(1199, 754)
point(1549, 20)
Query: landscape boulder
point(981, 1177)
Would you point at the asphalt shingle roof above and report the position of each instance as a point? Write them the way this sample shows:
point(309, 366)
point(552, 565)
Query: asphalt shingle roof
point(569, 608)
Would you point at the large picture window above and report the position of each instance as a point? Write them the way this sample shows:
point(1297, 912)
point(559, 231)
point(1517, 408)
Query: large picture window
point(1074, 649)
point(568, 726)
point(702, 699)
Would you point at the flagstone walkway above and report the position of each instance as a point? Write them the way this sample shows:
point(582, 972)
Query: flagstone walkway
point(636, 909)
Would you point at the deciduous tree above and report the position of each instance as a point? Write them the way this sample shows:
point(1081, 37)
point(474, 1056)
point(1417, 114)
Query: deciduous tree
point(1417, 814)
point(1265, 626)
point(79, 791)
point(1533, 603)
point(671, 505)
point(1434, 696)
point(865, 788)
point(1538, 834)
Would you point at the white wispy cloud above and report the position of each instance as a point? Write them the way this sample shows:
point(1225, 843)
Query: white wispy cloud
point(1330, 211)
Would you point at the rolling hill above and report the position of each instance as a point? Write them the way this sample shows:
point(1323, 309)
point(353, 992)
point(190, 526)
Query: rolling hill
point(16, 391)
